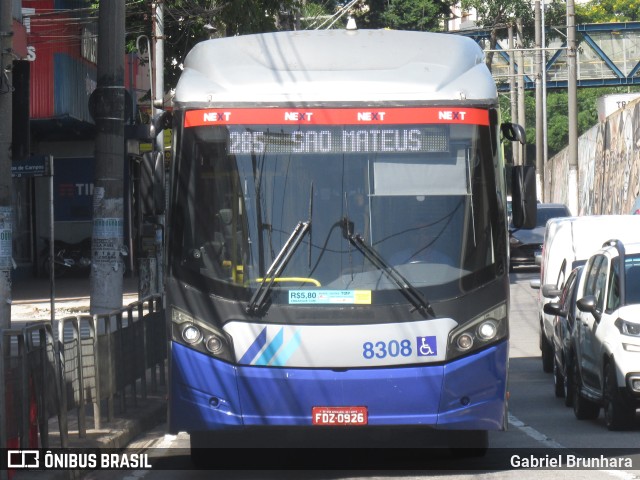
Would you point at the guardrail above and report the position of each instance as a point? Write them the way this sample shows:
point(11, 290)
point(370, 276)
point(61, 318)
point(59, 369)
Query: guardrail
point(93, 360)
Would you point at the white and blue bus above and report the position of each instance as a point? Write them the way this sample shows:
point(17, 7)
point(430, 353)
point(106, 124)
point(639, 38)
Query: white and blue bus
point(337, 244)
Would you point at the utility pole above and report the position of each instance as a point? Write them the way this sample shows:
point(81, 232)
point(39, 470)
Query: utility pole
point(543, 43)
point(513, 93)
point(158, 104)
point(539, 113)
point(6, 200)
point(107, 104)
point(572, 92)
point(521, 90)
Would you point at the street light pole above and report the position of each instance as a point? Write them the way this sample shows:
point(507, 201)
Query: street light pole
point(513, 93)
point(543, 43)
point(539, 119)
point(572, 84)
point(521, 90)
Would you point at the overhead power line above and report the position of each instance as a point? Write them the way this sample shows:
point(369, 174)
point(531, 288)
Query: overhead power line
point(344, 9)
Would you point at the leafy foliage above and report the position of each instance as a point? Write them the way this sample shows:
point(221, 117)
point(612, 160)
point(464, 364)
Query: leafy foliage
point(187, 22)
point(596, 11)
point(498, 13)
point(607, 11)
point(494, 15)
point(421, 15)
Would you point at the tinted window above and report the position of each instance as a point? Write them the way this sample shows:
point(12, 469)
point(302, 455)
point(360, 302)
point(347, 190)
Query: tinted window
point(600, 284)
point(632, 279)
point(613, 296)
point(592, 275)
point(566, 297)
point(545, 214)
point(241, 192)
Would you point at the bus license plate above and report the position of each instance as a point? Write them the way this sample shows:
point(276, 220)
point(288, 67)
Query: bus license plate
point(339, 416)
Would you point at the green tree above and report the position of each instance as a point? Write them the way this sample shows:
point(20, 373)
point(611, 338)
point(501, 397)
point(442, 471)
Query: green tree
point(595, 11)
point(420, 15)
point(557, 100)
point(608, 11)
point(417, 15)
point(372, 15)
point(495, 15)
point(185, 22)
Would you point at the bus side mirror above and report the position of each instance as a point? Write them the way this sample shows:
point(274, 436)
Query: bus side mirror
point(524, 200)
point(513, 132)
point(152, 183)
point(160, 122)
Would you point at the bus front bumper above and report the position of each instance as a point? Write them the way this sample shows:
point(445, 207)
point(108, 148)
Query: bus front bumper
point(466, 394)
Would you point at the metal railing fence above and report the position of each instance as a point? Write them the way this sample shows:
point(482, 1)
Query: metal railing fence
point(90, 361)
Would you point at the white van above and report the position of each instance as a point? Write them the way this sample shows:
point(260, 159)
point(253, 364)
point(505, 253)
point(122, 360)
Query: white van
point(569, 242)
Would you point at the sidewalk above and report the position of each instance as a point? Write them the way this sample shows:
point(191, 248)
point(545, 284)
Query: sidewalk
point(31, 302)
point(32, 297)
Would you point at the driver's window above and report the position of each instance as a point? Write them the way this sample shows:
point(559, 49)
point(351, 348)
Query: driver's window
point(590, 282)
point(613, 296)
point(565, 298)
point(561, 274)
point(601, 284)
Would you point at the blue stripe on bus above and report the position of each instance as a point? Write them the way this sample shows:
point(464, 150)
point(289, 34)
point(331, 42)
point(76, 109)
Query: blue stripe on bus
point(282, 358)
point(271, 349)
point(255, 347)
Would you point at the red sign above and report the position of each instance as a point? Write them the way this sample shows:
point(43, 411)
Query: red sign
point(19, 40)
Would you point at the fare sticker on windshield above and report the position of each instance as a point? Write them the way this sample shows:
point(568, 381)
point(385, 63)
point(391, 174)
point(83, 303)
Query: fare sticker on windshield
point(362, 297)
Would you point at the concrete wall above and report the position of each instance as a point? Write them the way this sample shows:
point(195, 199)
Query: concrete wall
point(608, 166)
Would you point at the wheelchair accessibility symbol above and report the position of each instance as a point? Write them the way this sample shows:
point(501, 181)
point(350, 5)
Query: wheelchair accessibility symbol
point(427, 346)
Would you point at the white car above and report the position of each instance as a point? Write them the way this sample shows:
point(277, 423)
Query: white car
point(606, 337)
point(569, 242)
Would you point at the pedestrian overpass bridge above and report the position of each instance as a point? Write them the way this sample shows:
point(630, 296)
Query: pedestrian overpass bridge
point(608, 55)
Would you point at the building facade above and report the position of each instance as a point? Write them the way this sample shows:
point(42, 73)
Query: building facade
point(54, 81)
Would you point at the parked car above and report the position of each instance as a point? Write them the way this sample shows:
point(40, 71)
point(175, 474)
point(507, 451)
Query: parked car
point(568, 242)
point(564, 314)
point(526, 243)
point(635, 209)
point(605, 366)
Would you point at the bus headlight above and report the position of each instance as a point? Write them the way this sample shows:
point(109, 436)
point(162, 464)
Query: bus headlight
point(488, 330)
point(214, 344)
point(191, 334)
point(197, 334)
point(465, 341)
point(482, 331)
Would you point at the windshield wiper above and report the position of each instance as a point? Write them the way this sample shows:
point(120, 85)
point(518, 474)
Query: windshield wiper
point(406, 288)
point(274, 270)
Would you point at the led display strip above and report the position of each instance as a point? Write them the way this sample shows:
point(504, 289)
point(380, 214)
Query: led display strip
point(327, 131)
point(336, 116)
point(311, 139)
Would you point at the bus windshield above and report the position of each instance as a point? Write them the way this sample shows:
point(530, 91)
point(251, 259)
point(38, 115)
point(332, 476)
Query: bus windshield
point(417, 195)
